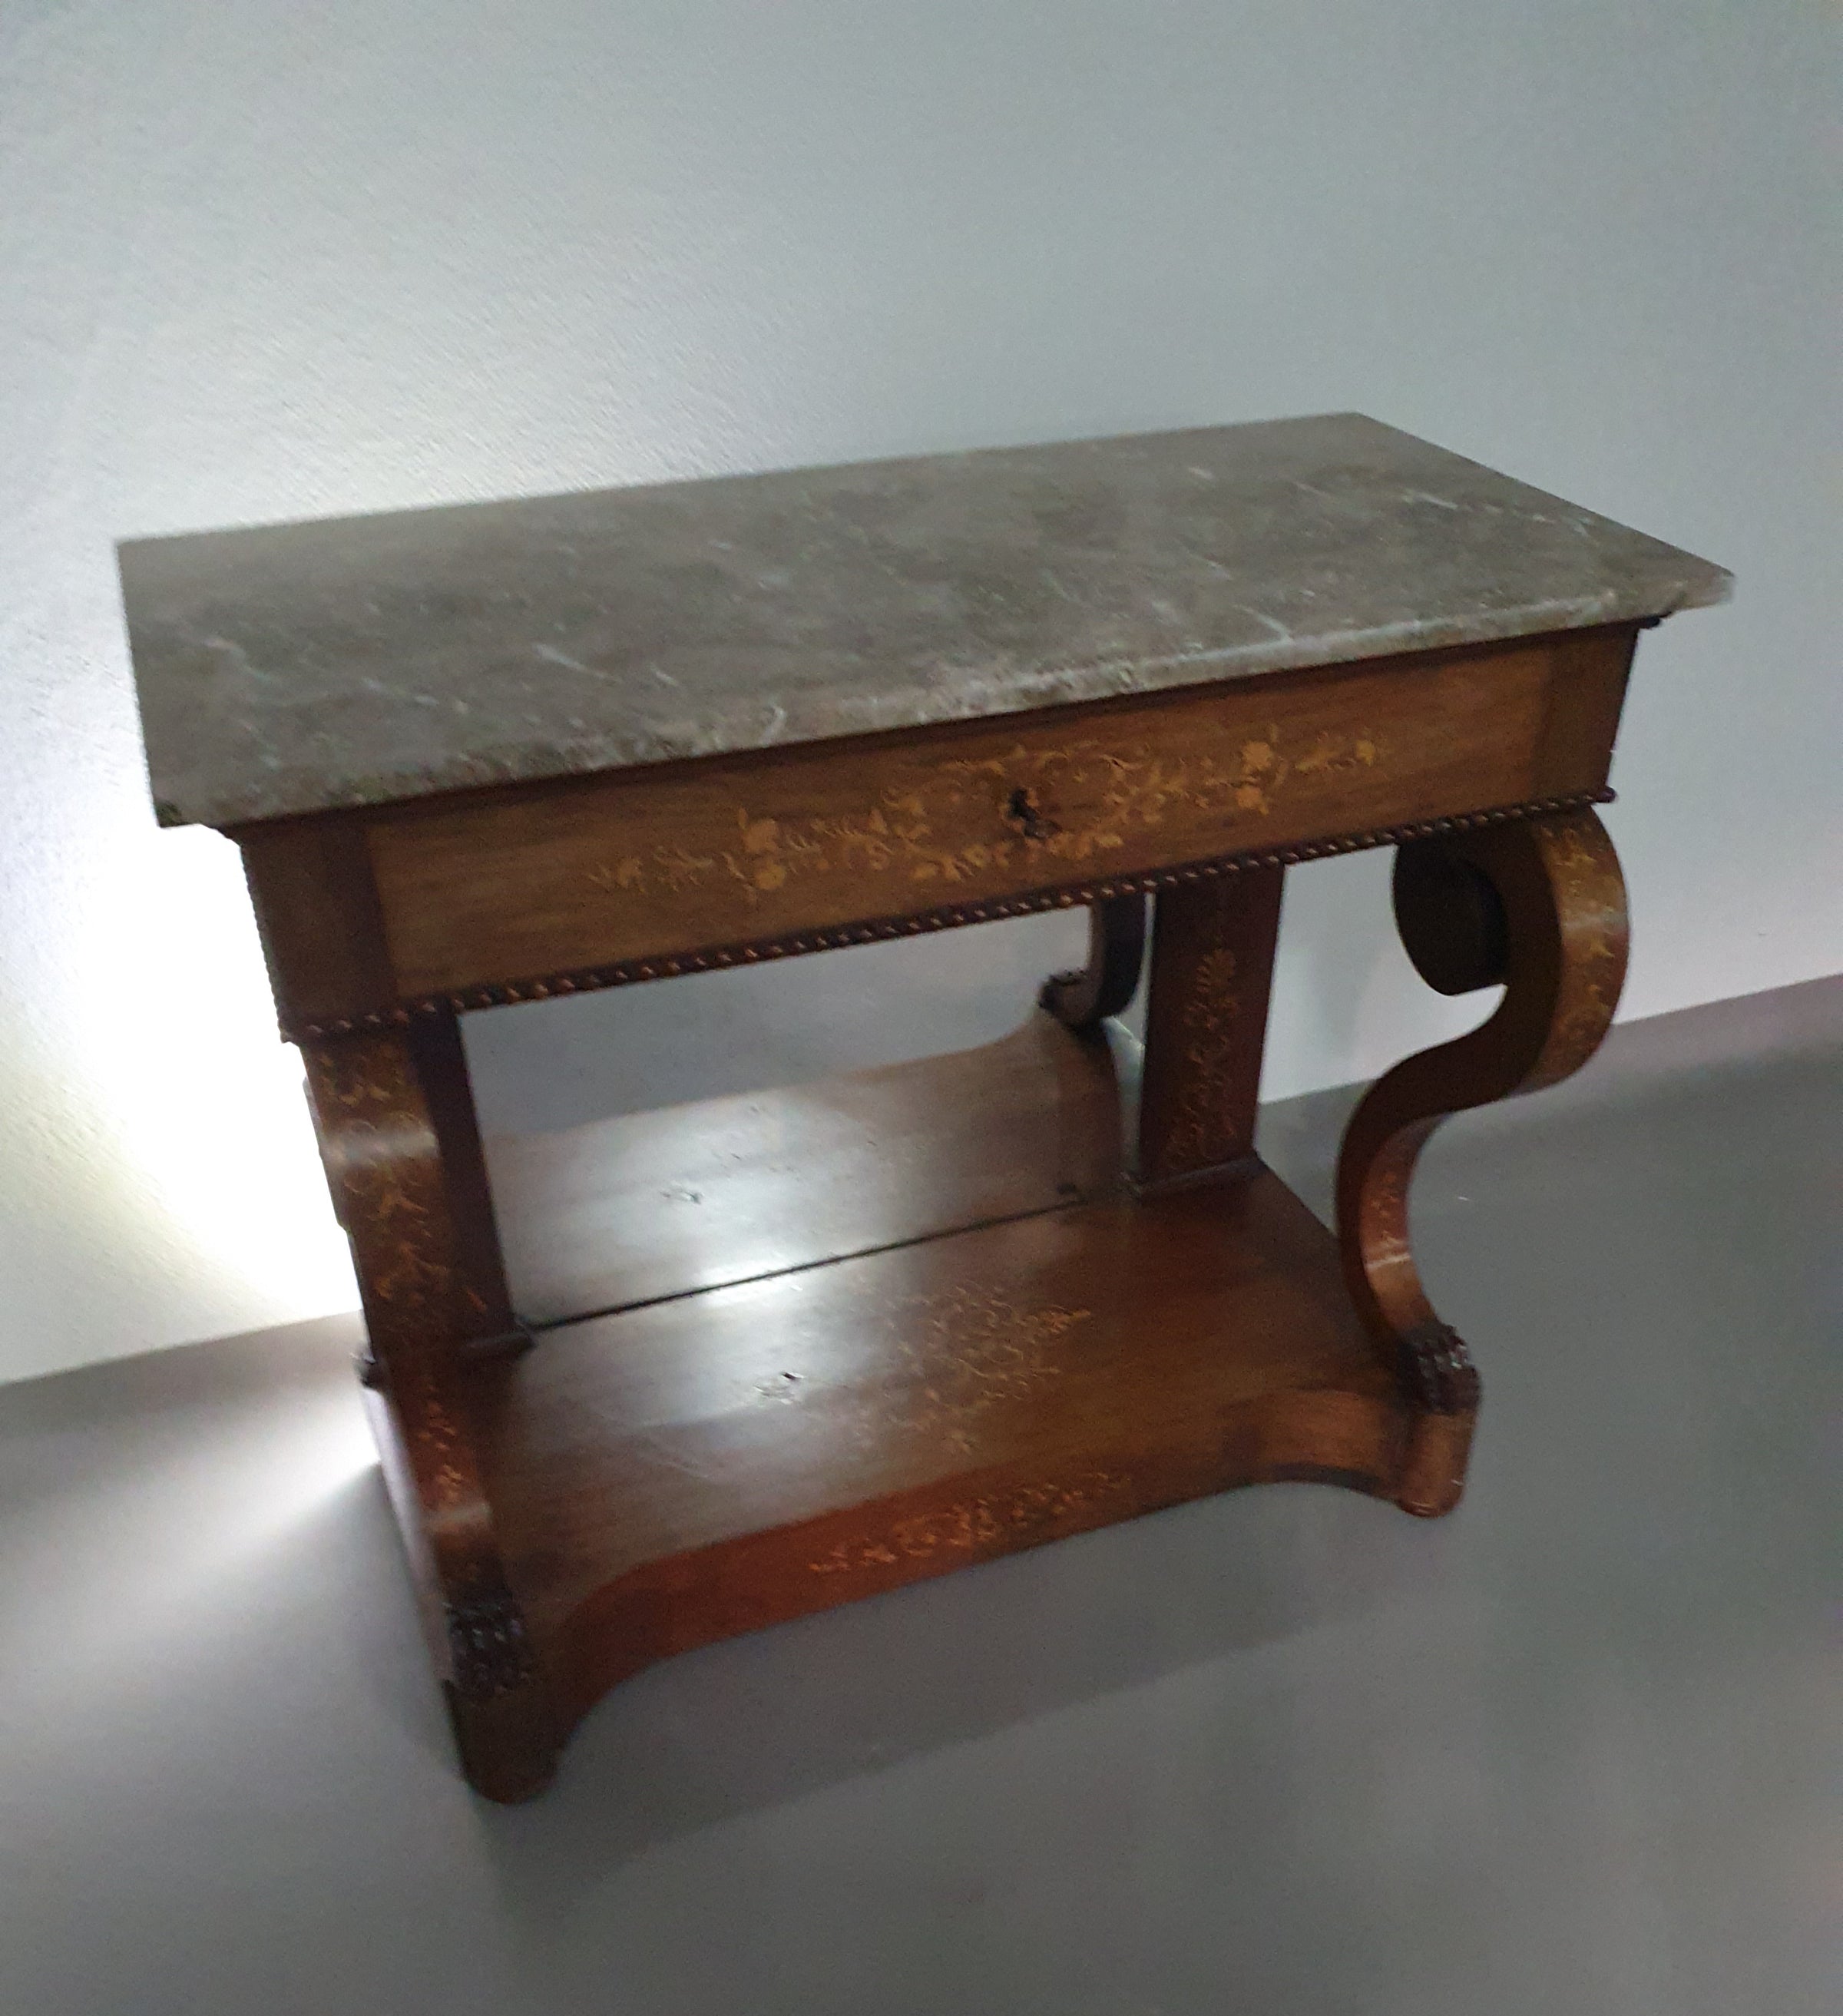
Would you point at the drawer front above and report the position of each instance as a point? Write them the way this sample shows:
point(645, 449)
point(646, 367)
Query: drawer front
point(646, 865)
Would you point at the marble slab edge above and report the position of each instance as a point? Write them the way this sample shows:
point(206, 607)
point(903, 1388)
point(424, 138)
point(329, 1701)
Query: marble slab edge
point(753, 726)
point(227, 761)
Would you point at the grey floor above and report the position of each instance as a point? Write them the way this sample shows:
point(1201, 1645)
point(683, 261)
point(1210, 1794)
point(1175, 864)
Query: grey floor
point(1576, 1749)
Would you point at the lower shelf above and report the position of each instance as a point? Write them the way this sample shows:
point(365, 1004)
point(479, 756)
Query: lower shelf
point(736, 1455)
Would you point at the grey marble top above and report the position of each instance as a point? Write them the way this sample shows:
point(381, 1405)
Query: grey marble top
point(354, 661)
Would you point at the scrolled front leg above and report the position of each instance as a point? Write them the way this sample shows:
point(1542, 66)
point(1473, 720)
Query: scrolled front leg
point(395, 1121)
point(1540, 905)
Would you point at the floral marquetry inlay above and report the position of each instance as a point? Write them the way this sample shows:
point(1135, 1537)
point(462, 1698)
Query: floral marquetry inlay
point(384, 1165)
point(975, 1524)
point(1043, 808)
point(968, 1353)
point(1591, 892)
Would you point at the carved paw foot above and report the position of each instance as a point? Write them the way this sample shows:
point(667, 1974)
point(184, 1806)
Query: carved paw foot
point(488, 1646)
point(1437, 1370)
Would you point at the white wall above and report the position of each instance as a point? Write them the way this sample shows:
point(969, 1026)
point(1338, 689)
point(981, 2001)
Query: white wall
point(266, 258)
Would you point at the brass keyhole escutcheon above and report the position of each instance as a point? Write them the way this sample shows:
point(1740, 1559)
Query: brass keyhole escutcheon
point(1024, 810)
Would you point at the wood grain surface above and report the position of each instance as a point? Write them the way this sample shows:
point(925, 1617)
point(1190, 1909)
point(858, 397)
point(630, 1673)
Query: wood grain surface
point(650, 1204)
point(700, 1467)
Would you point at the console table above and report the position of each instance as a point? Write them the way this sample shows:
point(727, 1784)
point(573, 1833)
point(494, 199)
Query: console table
point(673, 1376)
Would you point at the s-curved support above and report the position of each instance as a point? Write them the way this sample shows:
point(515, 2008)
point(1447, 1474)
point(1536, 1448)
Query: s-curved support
point(1539, 905)
point(1116, 952)
point(396, 1124)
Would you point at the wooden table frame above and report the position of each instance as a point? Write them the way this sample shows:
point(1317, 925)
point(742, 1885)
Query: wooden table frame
point(382, 925)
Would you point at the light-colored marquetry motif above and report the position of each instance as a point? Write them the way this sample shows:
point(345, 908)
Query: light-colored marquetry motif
point(973, 1523)
point(967, 1352)
point(1590, 893)
point(1052, 808)
point(929, 915)
point(1559, 880)
point(384, 1165)
point(385, 1169)
point(1199, 1137)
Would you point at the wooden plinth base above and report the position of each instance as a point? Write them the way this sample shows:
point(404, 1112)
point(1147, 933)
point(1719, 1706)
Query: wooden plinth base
point(828, 1380)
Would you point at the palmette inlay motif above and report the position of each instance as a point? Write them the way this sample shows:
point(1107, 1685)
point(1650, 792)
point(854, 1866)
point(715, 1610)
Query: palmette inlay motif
point(1199, 1137)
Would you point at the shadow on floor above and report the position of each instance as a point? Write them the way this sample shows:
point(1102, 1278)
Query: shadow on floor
point(756, 1722)
point(1285, 1752)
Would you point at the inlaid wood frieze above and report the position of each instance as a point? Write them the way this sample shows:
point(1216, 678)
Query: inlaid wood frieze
point(655, 866)
point(1070, 805)
point(950, 916)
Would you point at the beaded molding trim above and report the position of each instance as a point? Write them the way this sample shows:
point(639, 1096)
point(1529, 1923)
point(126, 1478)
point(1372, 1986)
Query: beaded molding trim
point(948, 916)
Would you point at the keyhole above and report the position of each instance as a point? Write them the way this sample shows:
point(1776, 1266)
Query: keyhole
point(1022, 807)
